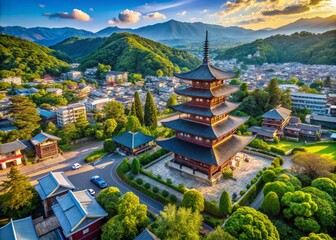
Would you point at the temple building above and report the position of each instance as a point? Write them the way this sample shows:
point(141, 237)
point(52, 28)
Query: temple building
point(133, 143)
point(45, 145)
point(10, 154)
point(204, 141)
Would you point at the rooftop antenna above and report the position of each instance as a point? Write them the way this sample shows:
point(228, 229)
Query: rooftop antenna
point(206, 49)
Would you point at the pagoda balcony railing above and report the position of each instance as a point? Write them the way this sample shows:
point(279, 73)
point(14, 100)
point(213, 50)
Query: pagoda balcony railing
point(198, 119)
point(201, 102)
point(201, 85)
point(191, 138)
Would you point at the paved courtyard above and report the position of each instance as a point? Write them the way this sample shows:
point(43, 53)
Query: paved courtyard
point(244, 174)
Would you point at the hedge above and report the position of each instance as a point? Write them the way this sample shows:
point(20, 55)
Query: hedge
point(95, 155)
point(278, 151)
point(298, 149)
point(212, 208)
point(211, 221)
point(148, 158)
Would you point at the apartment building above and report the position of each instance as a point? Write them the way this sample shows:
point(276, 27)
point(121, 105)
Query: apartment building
point(112, 77)
point(96, 104)
point(315, 102)
point(69, 113)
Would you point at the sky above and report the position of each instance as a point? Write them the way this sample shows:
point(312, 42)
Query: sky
point(94, 15)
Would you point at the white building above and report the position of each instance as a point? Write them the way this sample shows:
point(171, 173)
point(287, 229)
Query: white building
point(113, 77)
point(13, 80)
point(73, 75)
point(96, 104)
point(317, 103)
point(69, 113)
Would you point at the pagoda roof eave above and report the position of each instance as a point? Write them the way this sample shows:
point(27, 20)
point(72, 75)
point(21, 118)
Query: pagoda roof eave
point(219, 91)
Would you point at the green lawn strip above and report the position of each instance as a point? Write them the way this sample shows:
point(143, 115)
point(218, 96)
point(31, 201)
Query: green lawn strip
point(95, 155)
point(286, 145)
point(323, 149)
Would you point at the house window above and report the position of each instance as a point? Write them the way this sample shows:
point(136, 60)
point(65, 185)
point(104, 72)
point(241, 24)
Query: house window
point(85, 231)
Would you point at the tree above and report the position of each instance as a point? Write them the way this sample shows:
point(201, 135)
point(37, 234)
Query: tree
point(108, 198)
point(129, 221)
point(133, 111)
point(307, 224)
point(286, 100)
point(175, 224)
point(26, 116)
point(275, 93)
point(225, 204)
point(138, 108)
point(227, 172)
point(114, 110)
point(327, 82)
point(101, 70)
point(312, 165)
point(317, 236)
point(271, 204)
point(135, 166)
point(159, 73)
point(219, 234)
point(109, 145)
point(172, 100)
point(268, 176)
point(133, 124)
point(193, 199)
point(150, 112)
point(327, 185)
point(280, 188)
point(248, 223)
point(81, 123)
point(18, 198)
point(135, 77)
point(110, 125)
point(235, 81)
point(51, 128)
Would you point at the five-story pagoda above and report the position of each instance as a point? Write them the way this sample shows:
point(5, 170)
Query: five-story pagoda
point(204, 141)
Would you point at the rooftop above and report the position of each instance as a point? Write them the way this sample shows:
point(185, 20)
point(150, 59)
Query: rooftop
point(219, 91)
point(12, 146)
point(278, 113)
point(263, 131)
point(20, 229)
point(41, 137)
point(45, 113)
point(146, 235)
point(133, 140)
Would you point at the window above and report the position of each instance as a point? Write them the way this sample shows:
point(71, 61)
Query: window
point(85, 231)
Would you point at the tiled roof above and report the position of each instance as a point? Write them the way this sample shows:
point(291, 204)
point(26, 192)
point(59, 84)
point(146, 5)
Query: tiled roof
point(41, 137)
point(279, 113)
point(219, 109)
point(12, 146)
point(219, 91)
point(20, 229)
point(216, 155)
point(53, 184)
point(308, 127)
point(263, 131)
point(208, 131)
point(46, 114)
point(206, 72)
point(132, 140)
point(77, 210)
point(146, 235)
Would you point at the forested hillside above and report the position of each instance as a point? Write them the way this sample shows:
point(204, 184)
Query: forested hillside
point(129, 52)
point(301, 47)
point(19, 57)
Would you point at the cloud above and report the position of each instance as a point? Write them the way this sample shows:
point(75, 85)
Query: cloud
point(42, 5)
point(155, 15)
point(90, 9)
point(162, 6)
point(256, 20)
point(75, 15)
point(293, 9)
point(204, 11)
point(230, 7)
point(314, 2)
point(127, 17)
point(183, 13)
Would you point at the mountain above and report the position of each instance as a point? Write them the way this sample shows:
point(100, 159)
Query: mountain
point(174, 32)
point(301, 47)
point(29, 60)
point(135, 54)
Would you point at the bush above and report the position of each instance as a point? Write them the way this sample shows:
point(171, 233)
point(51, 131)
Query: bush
point(298, 149)
point(227, 172)
point(242, 192)
point(155, 189)
point(248, 186)
point(307, 224)
point(212, 208)
point(264, 168)
point(169, 181)
point(304, 179)
point(258, 143)
point(270, 204)
point(139, 181)
point(225, 204)
point(95, 155)
point(135, 166)
point(268, 176)
point(193, 199)
point(130, 177)
point(280, 188)
point(278, 151)
point(148, 158)
point(327, 185)
point(159, 176)
point(109, 145)
point(125, 166)
point(173, 198)
point(147, 185)
point(165, 193)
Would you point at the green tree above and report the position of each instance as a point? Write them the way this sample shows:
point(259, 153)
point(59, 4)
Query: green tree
point(248, 223)
point(135, 77)
point(108, 198)
point(175, 224)
point(172, 100)
point(225, 204)
point(327, 82)
point(133, 111)
point(307, 224)
point(159, 73)
point(219, 234)
point(68, 133)
point(138, 108)
point(114, 110)
point(317, 236)
point(81, 123)
point(327, 185)
point(286, 100)
point(51, 128)
point(271, 204)
point(193, 199)
point(280, 188)
point(235, 81)
point(268, 176)
point(150, 116)
point(133, 124)
point(275, 93)
point(18, 198)
point(101, 70)
point(135, 166)
point(26, 116)
point(109, 145)
point(110, 126)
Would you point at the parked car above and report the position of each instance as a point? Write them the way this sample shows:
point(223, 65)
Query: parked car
point(98, 181)
point(91, 192)
point(76, 166)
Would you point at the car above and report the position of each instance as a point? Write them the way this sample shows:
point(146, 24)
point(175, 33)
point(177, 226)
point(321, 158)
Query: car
point(76, 166)
point(91, 192)
point(98, 181)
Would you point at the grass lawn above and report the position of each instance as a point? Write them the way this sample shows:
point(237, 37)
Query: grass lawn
point(286, 145)
point(95, 155)
point(323, 149)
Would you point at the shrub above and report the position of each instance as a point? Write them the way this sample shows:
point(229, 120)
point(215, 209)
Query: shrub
point(130, 177)
point(317, 236)
point(248, 186)
point(327, 185)
point(242, 192)
point(280, 188)
point(264, 168)
point(304, 179)
point(278, 151)
point(135, 166)
point(165, 193)
point(268, 176)
point(298, 149)
point(173, 198)
point(95, 155)
point(125, 166)
point(139, 181)
point(212, 208)
point(159, 176)
point(276, 139)
point(227, 172)
point(147, 185)
point(277, 162)
point(258, 143)
point(193, 199)
point(109, 145)
point(225, 204)
point(155, 189)
point(306, 224)
point(271, 204)
point(148, 158)
point(169, 181)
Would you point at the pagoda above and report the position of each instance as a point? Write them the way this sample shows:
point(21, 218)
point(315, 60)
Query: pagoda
point(204, 141)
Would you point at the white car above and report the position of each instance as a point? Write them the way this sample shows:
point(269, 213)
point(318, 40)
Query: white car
point(91, 192)
point(76, 166)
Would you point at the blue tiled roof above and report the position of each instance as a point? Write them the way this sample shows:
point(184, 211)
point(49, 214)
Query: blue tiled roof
point(146, 235)
point(279, 113)
point(46, 114)
point(53, 184)
point(41, 137)
point(133, 140)
point(20, 229)
point(76, 210)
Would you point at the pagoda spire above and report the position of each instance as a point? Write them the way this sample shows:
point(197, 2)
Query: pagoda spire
point(206, 49)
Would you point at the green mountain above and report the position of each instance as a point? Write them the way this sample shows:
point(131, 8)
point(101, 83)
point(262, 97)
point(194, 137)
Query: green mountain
point(129, 52)
point(19, 57)
point(301, 47)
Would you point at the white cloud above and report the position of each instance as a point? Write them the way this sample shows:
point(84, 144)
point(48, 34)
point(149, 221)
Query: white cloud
point(155, 15)
point(162, 6)
point(183, 13)
point(42, 5)
point(127, 16)
point(205, 11)
point(75, 15)
point(91, 9)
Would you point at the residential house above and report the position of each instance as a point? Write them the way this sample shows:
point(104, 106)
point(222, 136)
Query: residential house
point(50, 186)
point(303, 131)
point(96, 104)
point(45, 145)
point(56, 91)
point(79, 215)
point(26, 91)
point(10, 154)
point(12, 80)
point(73, 75)
point(19, 229)
point(324, 121)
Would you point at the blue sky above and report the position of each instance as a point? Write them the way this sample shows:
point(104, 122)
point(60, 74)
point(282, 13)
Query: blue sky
point(94, 15)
